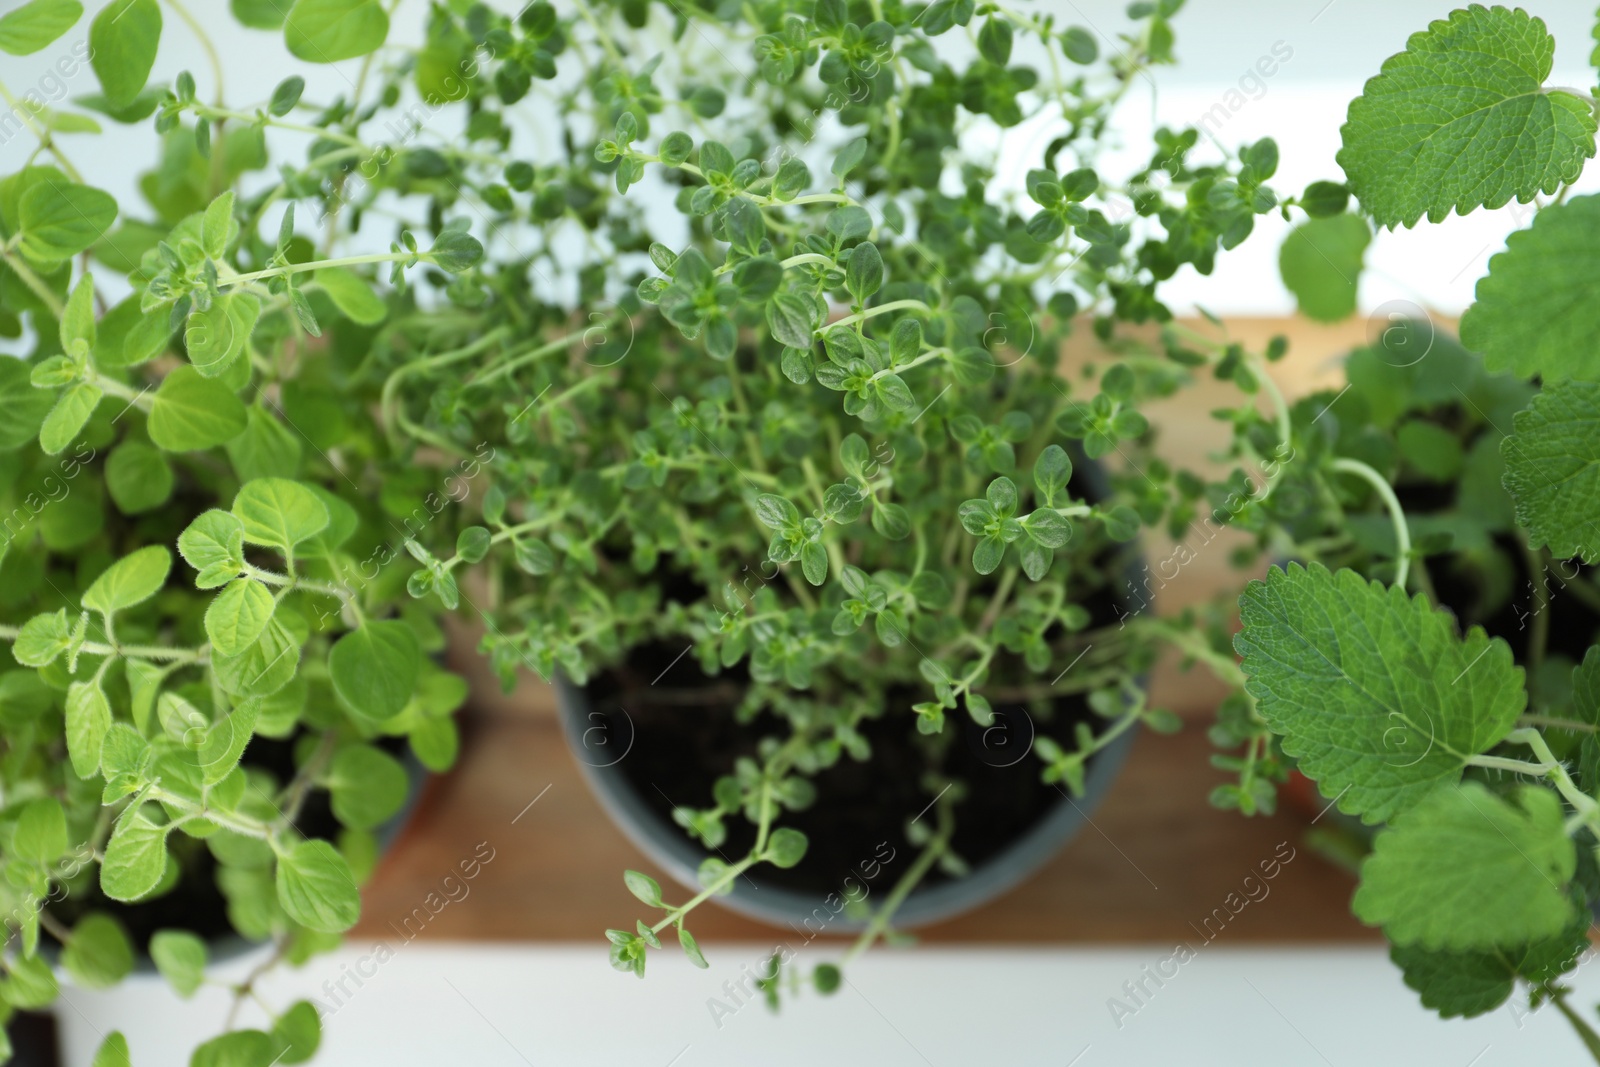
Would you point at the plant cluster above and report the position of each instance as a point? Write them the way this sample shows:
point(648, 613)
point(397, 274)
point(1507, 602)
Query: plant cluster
point(721, 298)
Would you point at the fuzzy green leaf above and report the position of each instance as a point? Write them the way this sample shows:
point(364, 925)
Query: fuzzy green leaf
point(1464, 984)
point(326, 31)
point(1373, 692)
point(316, 888)
point(279, 513)
point(181, 958)
point(1538, 308)
point(1461, 120)
point(367, 785)
point(88, 719)
point(122, 47)
point(1552, 462)
point(191, 412)
point(213, 544)
point(37, 23)
point(235, 619)
point(131, 580)
point(40, 835)
point(1464, 869)
point(352, 295)
point(99, 954)
point(71, 412)
point(374, 669)
point(58, 218)
point(1321, 265)
point(136, 856)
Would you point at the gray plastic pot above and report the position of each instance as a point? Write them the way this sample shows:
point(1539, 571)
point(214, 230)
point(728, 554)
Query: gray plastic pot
point(600, 739)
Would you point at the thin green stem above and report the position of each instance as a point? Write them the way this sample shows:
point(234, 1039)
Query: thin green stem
point(1397, 515)
point(884, 309)
point(33, 282)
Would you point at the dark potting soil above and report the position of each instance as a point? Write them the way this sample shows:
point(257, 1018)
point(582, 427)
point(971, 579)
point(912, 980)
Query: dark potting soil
point(685, 737)
point(1573, 625)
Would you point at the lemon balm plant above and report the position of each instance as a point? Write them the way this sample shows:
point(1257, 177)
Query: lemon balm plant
point(1432, 668)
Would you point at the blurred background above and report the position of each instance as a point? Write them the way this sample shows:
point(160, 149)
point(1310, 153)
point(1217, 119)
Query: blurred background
point(511, 968)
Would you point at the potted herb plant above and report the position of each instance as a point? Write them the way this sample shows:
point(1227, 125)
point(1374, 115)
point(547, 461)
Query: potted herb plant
point(1428, 659)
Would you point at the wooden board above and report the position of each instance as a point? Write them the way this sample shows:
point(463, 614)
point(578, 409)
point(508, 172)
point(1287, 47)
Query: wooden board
point(1155, 865)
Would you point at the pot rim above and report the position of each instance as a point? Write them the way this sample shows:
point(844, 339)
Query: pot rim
point(671, 849)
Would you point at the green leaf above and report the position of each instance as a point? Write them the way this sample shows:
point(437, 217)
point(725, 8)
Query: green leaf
point(191, 412)
point(131, 580)
point(113, 1052)
point(213, 544)
point(1464, 984)
point(30, 984)
point(691, 948)
point(42, 639)
point(791, 319)
point(210, 337)
point(263, 668)
point(776, 512)
point(1465, 869)
point(22, 407)
point(814, 562)
point(266, 449)
point(237, 1048)
point(864, 272)
point(181, 958)
point(259, 14)
point(122, 47)
point(217, 226)
point(238, 614)
point(98, 954)
point(279, 513)
point(352, 295)
point(77, 321)
point(71, 412)
point(1552, 459)
point(88, 718)
point(786, 847)
point(644, 887)
point(1372, 691)
point(374, 669)
point(326, 31)
point(1051, 473)
point(316, 888)
point(1461, 119)
point(1321, 265)
point(456, 251)
point(297, 1033)
point(136, 856)
point(1538, 308)
point(367, 785)
point(59, 218)
point(40, 835)
point(138, 478)
point(36, 24)
point(225, 741)
point(436, 743)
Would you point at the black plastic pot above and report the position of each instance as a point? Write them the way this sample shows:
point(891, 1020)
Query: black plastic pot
point(600, 739)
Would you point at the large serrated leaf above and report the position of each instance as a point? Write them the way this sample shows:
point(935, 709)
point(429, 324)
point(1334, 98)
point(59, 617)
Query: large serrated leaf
point(1552, 462)
point(1465, 869)
point(1374, 692)
point(1461, 119)
point(1537, 311)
